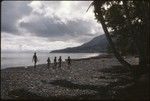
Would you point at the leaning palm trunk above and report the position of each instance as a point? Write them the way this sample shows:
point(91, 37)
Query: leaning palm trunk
point(112, 45)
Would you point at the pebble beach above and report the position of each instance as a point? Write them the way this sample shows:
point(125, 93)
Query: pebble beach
point(90, 79)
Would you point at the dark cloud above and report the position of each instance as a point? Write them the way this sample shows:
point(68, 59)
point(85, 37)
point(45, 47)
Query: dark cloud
point(54, 27)
point(10, 13)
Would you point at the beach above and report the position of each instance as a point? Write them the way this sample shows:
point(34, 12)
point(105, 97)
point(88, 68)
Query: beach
point(90, 79)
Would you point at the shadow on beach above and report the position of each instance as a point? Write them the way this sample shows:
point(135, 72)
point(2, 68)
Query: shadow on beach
point(102, 92)
point(25, 94)
point(70, 85)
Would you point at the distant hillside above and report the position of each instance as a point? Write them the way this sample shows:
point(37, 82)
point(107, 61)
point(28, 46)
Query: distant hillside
point(97, 44)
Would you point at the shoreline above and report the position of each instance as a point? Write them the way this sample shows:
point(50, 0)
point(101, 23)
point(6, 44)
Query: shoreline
point(103, 55)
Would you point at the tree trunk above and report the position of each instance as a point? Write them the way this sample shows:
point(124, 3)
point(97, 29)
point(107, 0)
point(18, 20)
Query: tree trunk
point(112, 45)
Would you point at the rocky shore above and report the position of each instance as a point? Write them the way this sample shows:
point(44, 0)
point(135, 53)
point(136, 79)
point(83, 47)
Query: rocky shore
point(90, 79)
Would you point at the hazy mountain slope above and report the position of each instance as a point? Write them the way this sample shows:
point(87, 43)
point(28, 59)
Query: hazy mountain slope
point(97, 44)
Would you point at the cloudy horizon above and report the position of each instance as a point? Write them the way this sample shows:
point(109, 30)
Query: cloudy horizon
point(46, 25)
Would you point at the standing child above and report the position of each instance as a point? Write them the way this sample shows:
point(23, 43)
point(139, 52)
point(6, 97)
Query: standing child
point(60, 60)
point(69, 61)
point(35, 59)
point(48, 62)
point(55, 62)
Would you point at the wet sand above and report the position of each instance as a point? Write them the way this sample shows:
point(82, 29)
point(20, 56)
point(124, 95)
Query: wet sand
point(88, 79)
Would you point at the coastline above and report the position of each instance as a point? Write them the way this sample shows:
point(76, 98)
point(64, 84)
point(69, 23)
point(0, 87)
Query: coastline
point(92, 78)
point(103, 55)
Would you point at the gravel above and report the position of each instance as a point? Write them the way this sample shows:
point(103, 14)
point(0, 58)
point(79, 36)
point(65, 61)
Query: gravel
point(40, 80)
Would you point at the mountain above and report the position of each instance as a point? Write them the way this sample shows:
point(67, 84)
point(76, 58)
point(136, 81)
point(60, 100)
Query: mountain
point(97, 44)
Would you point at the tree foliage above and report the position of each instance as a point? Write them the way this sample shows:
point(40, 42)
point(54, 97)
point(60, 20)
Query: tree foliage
point(128, 24)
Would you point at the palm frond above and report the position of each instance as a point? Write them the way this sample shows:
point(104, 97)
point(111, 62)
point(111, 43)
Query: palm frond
point(90, 6)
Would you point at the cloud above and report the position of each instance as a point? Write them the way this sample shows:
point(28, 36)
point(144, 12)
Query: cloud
point(13, 42)
point(64, 20)
point(43, 23)
point(54, 27)
point(11, 12)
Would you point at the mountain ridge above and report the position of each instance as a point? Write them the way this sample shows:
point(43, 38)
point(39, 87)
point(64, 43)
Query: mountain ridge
point(97, 44)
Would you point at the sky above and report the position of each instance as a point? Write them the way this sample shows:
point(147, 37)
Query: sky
point(46, 25)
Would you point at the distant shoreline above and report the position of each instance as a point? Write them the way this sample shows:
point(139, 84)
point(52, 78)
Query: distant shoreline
point(103, 55)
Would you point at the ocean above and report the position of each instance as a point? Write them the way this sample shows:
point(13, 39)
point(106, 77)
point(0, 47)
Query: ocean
point(19, 59)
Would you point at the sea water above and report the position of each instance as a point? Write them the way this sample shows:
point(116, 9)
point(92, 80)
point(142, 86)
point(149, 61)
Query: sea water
point(24, 59)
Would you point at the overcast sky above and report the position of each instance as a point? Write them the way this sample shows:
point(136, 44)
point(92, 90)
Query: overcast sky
point(46, 25)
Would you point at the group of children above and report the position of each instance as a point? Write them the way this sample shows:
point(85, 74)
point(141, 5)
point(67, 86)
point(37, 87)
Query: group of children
point(35, 59)
point(59, 61)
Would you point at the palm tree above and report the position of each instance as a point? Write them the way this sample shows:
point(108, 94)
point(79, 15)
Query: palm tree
point(98, 12)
